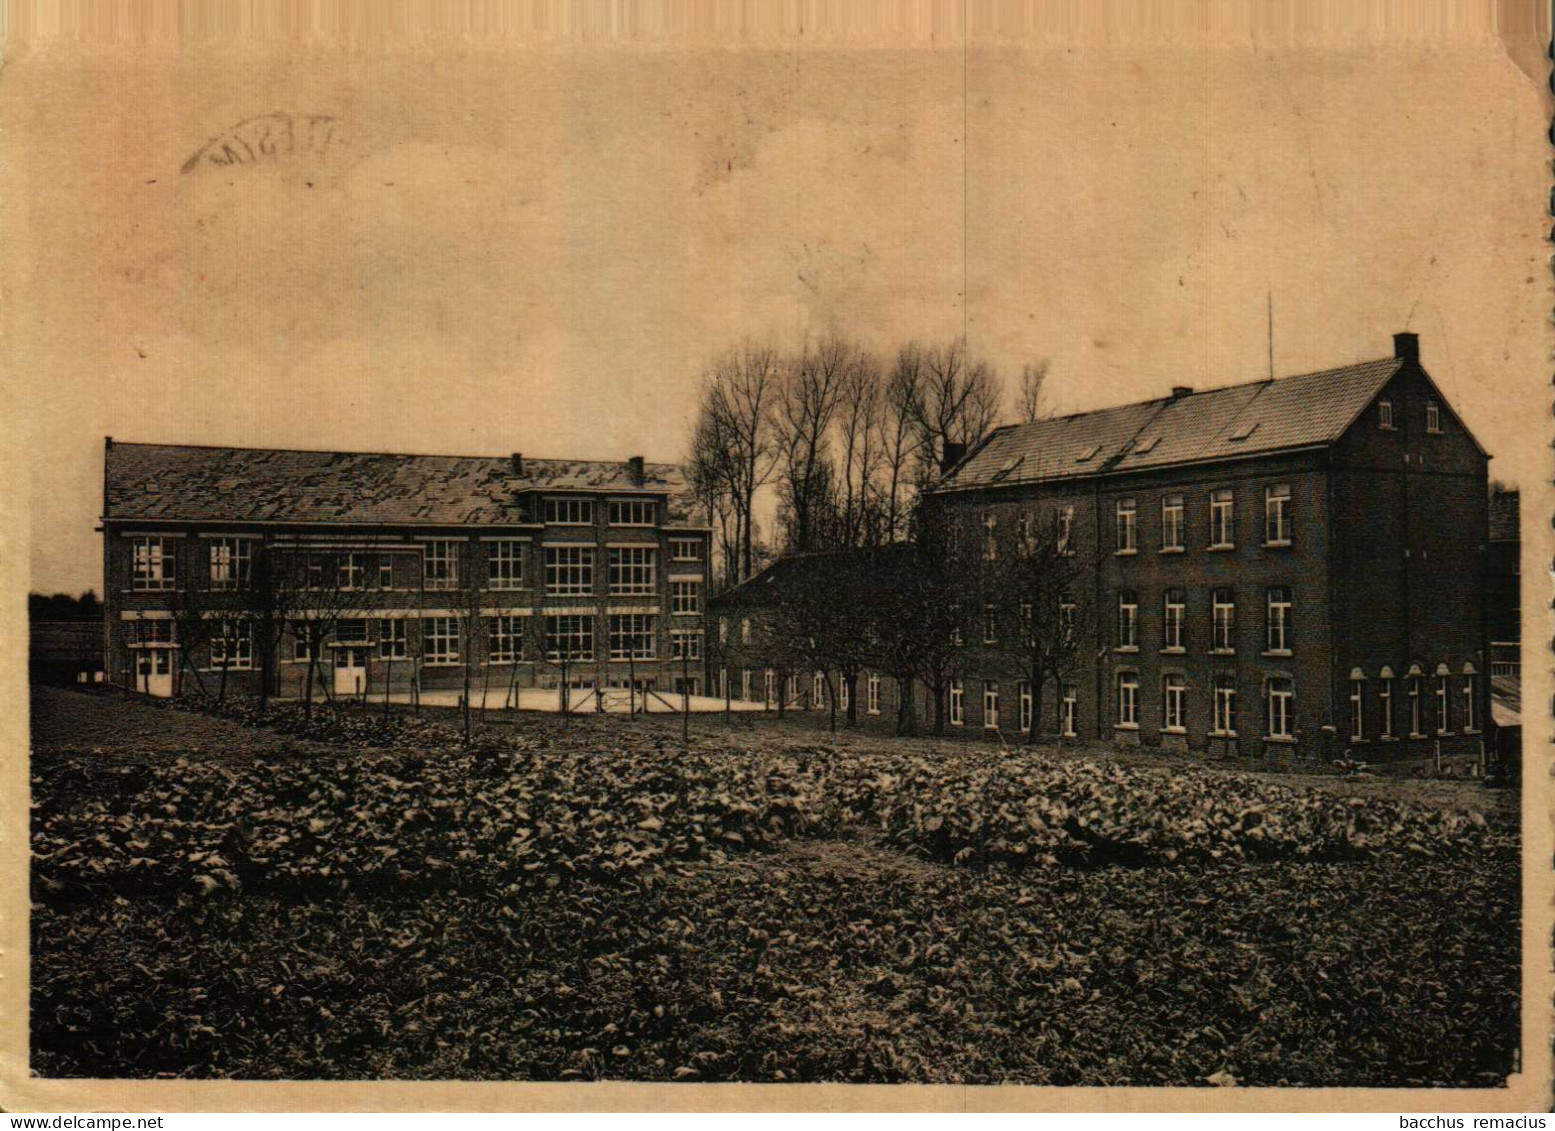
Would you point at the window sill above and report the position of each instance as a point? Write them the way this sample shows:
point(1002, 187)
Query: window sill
point(1172, 550)
point(1174, 730)
point(1221, 549)
point(441, 663)
point(1125, 726)
point(1222, 651)
point(1177, 651)
point(1388, 738)
point(1222, 734)
point(1285, 545)
point(1445, 734)
point(1127, 649)
point(1471, 730)
point(1360, 741)
point(1276, 653)
point(502, 589)
point(1280, 739)
point(1124, 553)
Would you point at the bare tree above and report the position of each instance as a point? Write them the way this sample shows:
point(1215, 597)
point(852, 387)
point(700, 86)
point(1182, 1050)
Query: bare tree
point(733, 452)
point(812, 392)
point(269, 603)
point(958, 400)
point(900, 438)
point(861, 454)
point(1030, 399)
point(333, 588)
point(563, 650)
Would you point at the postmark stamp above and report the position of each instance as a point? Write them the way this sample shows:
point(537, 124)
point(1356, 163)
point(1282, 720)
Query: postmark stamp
point(266, 137)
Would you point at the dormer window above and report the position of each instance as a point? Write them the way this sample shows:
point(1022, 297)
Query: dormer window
point(631, 512)
point(1433, 417)
point(1088, 455)
point(1385, 414)
point(569, 512)
point(1243, 431)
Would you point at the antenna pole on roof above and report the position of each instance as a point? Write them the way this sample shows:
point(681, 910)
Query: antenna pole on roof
point(1271, 333)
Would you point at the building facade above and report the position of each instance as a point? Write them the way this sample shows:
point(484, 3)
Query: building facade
point(1288, 568)
point(396, 573)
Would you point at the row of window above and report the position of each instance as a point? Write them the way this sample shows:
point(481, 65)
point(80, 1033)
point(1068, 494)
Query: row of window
point(1433, 416)
point(569, 570)
point(1415, 707)
point(568, 637)
point(580, 512)
point(1278, 610)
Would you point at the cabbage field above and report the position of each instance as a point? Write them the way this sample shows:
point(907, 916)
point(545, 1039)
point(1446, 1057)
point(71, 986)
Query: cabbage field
point(366, 898)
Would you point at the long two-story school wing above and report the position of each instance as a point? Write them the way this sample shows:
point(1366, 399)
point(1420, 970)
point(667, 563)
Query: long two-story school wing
point(1288, 564)
point(396, 569)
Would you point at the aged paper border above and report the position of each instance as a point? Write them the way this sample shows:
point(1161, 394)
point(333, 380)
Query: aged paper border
point(556, 25)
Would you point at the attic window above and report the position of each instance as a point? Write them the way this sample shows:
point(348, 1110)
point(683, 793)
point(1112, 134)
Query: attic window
point(1145, 445)
point(1088, 454)
point(1243, 431)
point(1009, 465)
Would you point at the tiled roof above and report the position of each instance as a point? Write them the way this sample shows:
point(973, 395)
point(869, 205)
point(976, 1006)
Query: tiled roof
point(1504, 523)
point(200, 484)
point(1222, 423)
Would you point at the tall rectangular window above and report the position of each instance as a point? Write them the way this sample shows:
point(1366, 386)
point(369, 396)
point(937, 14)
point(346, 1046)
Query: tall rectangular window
point(1357, 710)
point(990, 705)
point(1276, 515)
point(842, 693)
point(1068, 612)
point(769, 687)
point(685, 598)
point(1066, 530)
point(990, 624)
point(1279, 618)
point(1128, 700)
point(685, 644)
point(872, 689)
point(1282, 697)
point(1128, 619)
point(440, 565)
point(1025, 706)
point(1070, 708)
point(1416, 708)
point(957, 703)
point(1174, 612)
point(632, 636)
point(385, 571)
point(1223, 619)
point(1385, 414)
point(1174, 695)
point(231, 563)
point(1443, 698)
point(1433, 416)
point(505, 564)
point(1171, 522)
point(631, 512)
point(152, 563)
point(1222, 519)
point(1225, 706)
point(632, 571)
point(818, 690)
point(569, 571)
point(990, 537)
point(1127, 531)
point(1024, 539)
point(351, 570)
point(393, 643)
point(505, 639)
point(1385, 705)
point(569, 512)
point(440, 640)
point(1470, 702)
point(569, 637)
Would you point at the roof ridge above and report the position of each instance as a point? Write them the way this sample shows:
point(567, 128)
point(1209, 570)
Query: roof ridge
point(365, 452)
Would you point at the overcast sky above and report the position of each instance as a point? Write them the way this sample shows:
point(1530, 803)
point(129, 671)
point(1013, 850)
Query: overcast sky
point(537, 252)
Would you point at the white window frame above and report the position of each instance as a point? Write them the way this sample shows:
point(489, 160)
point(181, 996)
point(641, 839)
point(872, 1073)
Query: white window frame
point(1023, 708)
point(1443, 703)
point(679, 553)
point(1276, 515)
point(239, 636)
point(990, 536)
point(634, 571)
point(153, 563)
point(957, 703)
point(1279, 606)
point(1222, 620)
point(990, 704)
point(1357, 709)
point(1415, 691)
point(990, 623)
point(1174, 703)
point(633, 636)
point(1385, 415)
point(682, 639)
point(386, 572)
point(568, 510)
point(1223, 700)
point(1385, 706)
point(1174, 614)
point(769, 687)
point(872, 693)
point(1126, 517)
point(393, 638)
point(1071, 709)
point(1433, 417)
point(745, 685)
point(569, 571)
point(351, 571)
point(818, 690)
point(630, 512)
point(440, 642)
point(440, 564)
point(504, 639)
point(1128, 620)
point(1222, 519)
point(576, 631)
point(307, 637)
point(1470, 703)
point(505, 564)
point(1066, 531)
point(231, 563)
point(1280, 717)
point(1172, 526)
point(685, 598)
point(1128, 701)
point(745, 630)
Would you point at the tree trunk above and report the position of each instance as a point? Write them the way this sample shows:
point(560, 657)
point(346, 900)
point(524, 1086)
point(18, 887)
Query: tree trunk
point(939, 710)
point(831, 700)
point(852, 681)
point(221, 690)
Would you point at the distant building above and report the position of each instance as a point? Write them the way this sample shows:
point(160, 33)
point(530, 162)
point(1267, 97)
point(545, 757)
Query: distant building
point(63, 652)
point(1504, 581)
point(1286, 567)
point(516, 569)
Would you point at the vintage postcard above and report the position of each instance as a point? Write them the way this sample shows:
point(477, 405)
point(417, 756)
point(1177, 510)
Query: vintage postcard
point(915, 555)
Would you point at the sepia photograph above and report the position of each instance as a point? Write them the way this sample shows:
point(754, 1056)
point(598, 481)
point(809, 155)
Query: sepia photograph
point(912, 544)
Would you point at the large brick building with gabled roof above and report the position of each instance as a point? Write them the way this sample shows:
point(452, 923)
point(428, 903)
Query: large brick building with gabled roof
point(1286, 565)
point(396, 571)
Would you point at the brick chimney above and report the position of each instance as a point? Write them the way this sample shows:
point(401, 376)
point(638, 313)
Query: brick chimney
point(952, 456)
point(517, 460)
point(635, 470)
point(1406, 347)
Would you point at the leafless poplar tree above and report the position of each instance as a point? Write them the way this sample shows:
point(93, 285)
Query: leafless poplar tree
point(1030, 401)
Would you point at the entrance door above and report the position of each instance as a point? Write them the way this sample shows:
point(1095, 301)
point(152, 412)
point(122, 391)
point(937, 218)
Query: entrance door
point(154, 672)
point(350, 671)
